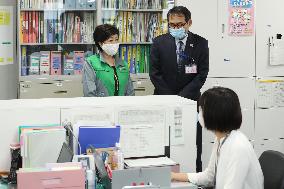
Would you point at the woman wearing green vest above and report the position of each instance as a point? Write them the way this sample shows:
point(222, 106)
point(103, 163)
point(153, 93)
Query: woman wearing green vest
point(105, 74)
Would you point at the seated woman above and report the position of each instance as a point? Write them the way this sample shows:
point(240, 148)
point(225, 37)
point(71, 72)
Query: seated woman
point(105, 74)
point(233, 163)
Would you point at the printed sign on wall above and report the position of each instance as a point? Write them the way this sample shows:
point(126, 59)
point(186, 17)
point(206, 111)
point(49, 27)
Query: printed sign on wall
point(6, 37)
point(241, 17)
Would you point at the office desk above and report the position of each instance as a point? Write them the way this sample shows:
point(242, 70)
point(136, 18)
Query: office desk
point(183, 185)
point(175, 185)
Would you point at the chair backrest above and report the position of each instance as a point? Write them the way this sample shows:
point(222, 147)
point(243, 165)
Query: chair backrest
point(272, 165)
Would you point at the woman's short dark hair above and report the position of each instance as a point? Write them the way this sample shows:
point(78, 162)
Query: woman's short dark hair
point(180, 10)
point(221, 109)
point(103, 33)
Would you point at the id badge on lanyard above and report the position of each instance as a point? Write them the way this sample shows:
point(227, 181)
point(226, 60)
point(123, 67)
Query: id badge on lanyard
point(191, 68)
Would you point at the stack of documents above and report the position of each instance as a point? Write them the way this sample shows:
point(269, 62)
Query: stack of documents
point(24, 128)
point(39, 147)
point(148, 162)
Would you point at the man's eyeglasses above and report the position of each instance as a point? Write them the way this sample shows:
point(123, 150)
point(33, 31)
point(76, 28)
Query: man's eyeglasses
point(179, 25)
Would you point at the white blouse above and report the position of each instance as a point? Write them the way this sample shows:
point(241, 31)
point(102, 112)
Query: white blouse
point(237, 167)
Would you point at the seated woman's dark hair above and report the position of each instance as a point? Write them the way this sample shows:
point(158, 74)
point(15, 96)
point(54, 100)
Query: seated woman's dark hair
point(221, 109)
point(103, 33)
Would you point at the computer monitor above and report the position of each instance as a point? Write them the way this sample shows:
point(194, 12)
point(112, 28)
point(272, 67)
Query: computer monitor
point(66, 154)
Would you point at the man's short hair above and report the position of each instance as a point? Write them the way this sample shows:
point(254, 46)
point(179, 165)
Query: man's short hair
point(221, 109)
point(180, 10)
point(104, 32)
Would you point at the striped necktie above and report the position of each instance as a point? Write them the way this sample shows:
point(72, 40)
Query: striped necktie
point(180, 53)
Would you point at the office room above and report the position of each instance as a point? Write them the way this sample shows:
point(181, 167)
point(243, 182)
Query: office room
point(135, 94)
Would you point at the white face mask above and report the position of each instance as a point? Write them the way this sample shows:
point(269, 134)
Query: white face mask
point(200, 118)
point(110, 48)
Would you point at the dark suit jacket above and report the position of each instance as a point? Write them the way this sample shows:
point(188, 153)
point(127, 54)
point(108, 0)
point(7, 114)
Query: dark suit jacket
point(164, 71)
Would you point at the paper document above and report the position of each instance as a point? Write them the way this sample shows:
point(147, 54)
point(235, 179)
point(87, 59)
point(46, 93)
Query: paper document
point(147, 115)
point(142, 131)
point(88, 116)
point(41, 147)
point(276, 52)
point(177, 135)
point(270, 93)
point(7, 34)
point(147, 162)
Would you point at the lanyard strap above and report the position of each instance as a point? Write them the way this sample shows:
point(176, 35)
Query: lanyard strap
point(218, 155)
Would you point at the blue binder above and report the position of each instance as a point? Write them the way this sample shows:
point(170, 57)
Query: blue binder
point(99, 137)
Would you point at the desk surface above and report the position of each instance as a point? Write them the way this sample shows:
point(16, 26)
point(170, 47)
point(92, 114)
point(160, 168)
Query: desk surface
point(175, 185)
point(183, 185)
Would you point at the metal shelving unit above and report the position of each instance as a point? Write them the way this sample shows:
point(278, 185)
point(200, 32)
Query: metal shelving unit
point(98, 12)
point(51, 84)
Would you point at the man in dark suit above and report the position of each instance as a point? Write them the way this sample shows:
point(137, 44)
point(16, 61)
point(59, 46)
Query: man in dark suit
point(180, 62)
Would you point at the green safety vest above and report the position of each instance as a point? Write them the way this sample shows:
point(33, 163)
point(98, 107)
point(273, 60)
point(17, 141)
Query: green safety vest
point(105, 74)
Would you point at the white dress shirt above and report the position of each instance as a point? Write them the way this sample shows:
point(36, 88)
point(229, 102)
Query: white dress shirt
point(237, 168)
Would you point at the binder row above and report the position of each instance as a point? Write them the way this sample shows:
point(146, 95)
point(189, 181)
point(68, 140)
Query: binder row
point(57, 4)
point(135, 27)
point(56, 27)
point(135, 4)
point(51, 63)
point(137, 57)
point(59, 63)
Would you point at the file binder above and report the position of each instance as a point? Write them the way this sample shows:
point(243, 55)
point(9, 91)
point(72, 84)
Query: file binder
point(98, 137)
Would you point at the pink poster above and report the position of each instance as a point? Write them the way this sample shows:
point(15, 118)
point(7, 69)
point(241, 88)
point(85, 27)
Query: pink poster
point(241, 17)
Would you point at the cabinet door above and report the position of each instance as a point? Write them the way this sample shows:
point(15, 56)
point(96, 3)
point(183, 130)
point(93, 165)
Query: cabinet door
point(8, 68)
point(245, 89)
point(264, 145)
point(204, 23)
point(204, 18)
point(230, 56)
point(269, 123)
point(269, 23)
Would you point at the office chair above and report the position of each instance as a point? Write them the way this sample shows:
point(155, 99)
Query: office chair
point(272, 165)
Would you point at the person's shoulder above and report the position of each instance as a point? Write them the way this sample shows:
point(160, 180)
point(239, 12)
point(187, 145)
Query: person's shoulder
point(95, 62)
point(239, 141)
point(92, 58)
point(124, 64)
point(161, 38)
point(199, 38)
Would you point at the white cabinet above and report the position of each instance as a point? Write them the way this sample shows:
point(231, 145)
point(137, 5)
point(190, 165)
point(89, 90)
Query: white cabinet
point(269, 123)
point(245, 89)
point(263, 145)
point(61, 87)
point(8, 73)
point(229, 56)
point(269, 22)
point(142, 84)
